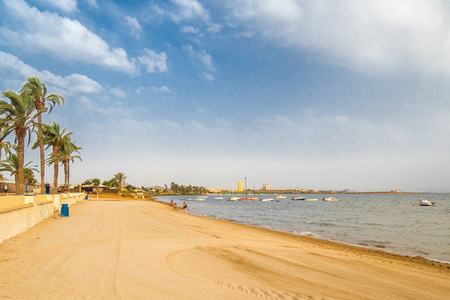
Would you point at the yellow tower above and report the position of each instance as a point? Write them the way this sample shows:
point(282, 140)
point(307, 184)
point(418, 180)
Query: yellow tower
point(240, 186)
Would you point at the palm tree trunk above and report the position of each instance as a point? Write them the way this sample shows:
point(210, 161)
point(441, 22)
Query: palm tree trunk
point(55, 168)
point(20, 189)
point(68, 174)
point(42, 154)
point(66, 177)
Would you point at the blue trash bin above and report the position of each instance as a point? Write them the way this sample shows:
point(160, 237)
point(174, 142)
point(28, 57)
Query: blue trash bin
point(86, 197)
point(47, 189)
point(65, 210)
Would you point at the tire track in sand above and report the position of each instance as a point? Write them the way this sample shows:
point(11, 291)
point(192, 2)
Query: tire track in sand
point(172, 261)
point(43, 277)
point(107, 288)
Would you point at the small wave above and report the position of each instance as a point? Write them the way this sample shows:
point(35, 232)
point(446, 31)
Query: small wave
point(322, 224)
point(374, 244)
point(306, 233)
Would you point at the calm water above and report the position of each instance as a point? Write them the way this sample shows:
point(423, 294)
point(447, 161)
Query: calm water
point(390, 222)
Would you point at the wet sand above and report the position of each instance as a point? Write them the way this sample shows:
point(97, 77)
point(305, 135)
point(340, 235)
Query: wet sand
point(148, 250)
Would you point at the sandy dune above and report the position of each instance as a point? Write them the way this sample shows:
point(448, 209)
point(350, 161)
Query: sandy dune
point(147, 250)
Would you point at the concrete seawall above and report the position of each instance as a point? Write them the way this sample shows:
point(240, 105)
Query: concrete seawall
point(19, 213)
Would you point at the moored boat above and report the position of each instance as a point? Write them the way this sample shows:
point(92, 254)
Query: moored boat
point(330, 199)
point(313, 199)
point(248, 199)
point(299, 198)
point(267, 199)
point(280, 197)
point(426, 203)
point(233, 199)
point(218, 198)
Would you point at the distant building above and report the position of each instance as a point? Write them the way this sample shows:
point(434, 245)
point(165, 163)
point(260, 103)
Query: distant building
point(240, 186)
point(215, 191)
point(266, 187)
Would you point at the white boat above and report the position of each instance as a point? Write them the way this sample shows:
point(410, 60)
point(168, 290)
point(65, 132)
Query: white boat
point(280, 197)
point(218, 198)
point(330, 199)
point(200, 199)
point(233, 199)
point(299, 198)
point(267, 199)
point(314, 199)
point(426, 203)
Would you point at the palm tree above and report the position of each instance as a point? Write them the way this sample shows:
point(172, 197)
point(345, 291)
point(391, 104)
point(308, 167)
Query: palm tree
point(18, 116)
point(55, 138)
point(38, 91)
point(66, 156)
point(4, 145)
point(120, 179)
point(11, 165)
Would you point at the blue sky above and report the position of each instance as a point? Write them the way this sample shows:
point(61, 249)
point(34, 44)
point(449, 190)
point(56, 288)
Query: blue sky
point(297, 94)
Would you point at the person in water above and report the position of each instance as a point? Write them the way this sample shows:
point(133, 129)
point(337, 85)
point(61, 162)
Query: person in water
point(184, 205)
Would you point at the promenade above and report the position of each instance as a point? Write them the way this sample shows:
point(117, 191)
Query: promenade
point(148, 250)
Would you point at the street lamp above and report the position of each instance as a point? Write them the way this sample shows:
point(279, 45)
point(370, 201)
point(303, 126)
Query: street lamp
point(26, 182)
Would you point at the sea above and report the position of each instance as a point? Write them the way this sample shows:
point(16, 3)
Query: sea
point(394, 223)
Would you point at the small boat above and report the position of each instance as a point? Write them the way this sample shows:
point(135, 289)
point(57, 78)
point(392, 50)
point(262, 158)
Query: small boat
point(330, 199)
point(426, 203)
point(313, 199)
point(187, 199)
point(247, 199)
point(280, 197)
point(267, 199)
point(299, 198)
point(218, 198)
point(200, 199)
point(233, 199)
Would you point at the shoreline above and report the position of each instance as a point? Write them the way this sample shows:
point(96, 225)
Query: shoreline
point(387, 249)
point(146, 249)
point(331, 243)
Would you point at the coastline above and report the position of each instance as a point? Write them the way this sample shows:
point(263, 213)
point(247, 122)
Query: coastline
point(141, 249)
point(333, 244)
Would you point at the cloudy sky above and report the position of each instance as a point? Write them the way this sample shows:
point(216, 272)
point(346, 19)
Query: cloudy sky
point(298, 94)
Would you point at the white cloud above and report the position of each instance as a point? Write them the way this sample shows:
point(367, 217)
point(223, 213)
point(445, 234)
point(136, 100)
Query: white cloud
point(189, 9)
point(376, 36)
point(206, 59)
point(86, 103)
point(207, 76)
point(214, 28)
point(189, 29)
point(201, 110)
point(64, 5)
point(202, 55)
point(162, 89)
point(154, 62)
point(66, 86)
point(118, 92)
point(62, 37)
point(92, 3)
point(135, 27)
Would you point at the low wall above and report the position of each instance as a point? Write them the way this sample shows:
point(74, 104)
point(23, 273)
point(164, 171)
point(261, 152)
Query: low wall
point(19, 213)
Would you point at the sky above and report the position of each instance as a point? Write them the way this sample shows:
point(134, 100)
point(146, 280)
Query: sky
point(327, 95)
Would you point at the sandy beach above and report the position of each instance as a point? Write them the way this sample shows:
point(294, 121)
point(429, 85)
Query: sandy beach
point(148, 250)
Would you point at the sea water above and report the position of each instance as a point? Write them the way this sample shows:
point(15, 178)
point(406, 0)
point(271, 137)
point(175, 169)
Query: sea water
point(390, 222)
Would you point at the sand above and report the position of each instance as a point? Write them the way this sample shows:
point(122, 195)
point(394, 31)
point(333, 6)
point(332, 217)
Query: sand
point(148, 250)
